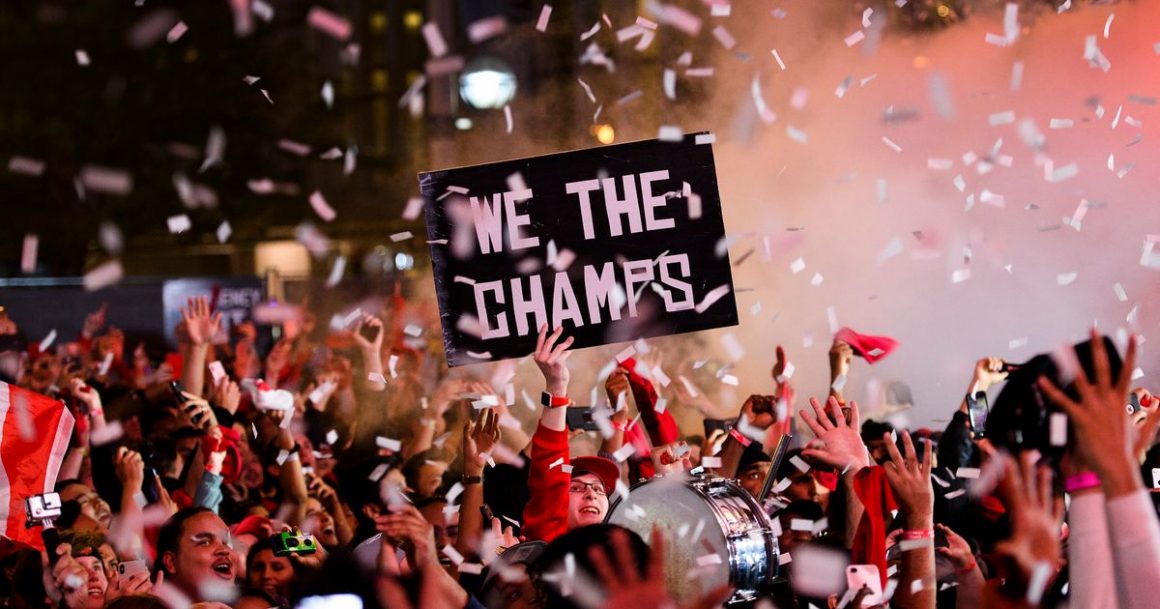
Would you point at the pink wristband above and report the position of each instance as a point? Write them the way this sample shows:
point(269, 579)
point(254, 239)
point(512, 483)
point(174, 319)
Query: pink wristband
point(1081, 481)
point(737, 435)
point(912, 534)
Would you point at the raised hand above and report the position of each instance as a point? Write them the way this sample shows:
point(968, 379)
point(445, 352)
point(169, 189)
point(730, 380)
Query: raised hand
point(988, 371)
point(759, 411)
point(617, 385)
point(480, 438)
point(910, 480)
point(1035, 523)
point(958, 551)
point(625, 586)
point(196, 412)
point(841, 355)
point(551, 356)
point(375, 345)
point(130, 468)
point(778, 365)
point(227, 395)
point(94, 321)
point(838, 443)
point(200, 324)
point(1104, 439)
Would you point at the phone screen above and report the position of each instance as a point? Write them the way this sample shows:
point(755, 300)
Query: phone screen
point(580, 417)
point(978, 408)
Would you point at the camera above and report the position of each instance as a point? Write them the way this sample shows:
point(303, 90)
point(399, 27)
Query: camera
point(42, 507)
point(1019, 419)
point(293, 542)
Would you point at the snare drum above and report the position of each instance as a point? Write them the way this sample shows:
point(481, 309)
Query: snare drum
point(715, 534)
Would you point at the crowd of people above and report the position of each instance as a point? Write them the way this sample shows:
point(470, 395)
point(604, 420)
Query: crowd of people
point(336, 471)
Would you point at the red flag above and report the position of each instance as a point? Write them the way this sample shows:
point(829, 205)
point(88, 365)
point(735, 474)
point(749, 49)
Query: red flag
point(34, 436)
point(872, 348)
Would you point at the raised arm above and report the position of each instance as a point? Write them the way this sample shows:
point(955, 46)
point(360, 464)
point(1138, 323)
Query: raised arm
point(201, 326)
point(546, 514)
point(909, 478)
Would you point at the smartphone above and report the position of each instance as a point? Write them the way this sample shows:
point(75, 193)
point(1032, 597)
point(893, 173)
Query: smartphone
point(580, 417)
point(859, 576)
point(977, 410)
point(132, 567)
point(150, 487)
point(176, 364)
point(714, 425)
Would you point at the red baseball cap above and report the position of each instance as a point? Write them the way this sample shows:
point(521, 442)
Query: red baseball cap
point(605, 469)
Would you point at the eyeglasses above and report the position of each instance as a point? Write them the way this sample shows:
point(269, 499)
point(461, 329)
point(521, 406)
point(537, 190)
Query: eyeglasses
point(580, 487)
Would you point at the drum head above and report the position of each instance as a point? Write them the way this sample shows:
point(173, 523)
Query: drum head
point(696, 551)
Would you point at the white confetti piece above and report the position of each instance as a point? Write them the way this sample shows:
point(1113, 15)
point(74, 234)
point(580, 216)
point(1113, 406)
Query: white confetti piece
point(82, 58)
point(179, 224)
point(1121, 295)
point(855, 38)
point(47, 341)
point(28, 254)
point(1065, 278)
point(224, 231)
point(105, 434)
point(329, 23)
point(587, 90)
point(796, 134)
point(390, 444)
point(817, 279)
point(711, 462)
point(321, 207)
point(960, 275)
point(434, 39)
point(797, 266)
point(103, 276)
point(106, 180)
point(1060, 123)
point(486, 28)
point(1001, 118)
point(623, 453)
point(1057, 426)
point(889, 142)
point(767, 115)
point(1137, 373)
point(724, 37)
point(25, 165)
point(176, 32)
point(1108, 25)
point(969, 473)
point(713, 296)
point(777, 58)
point(704, 138)
point(670, 133)
point(403, 236)
point(1016, 343)
point(545, 15)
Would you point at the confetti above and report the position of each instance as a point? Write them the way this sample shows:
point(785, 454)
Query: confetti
point(1001, 118)
point(777, 58)
point(403, 236)
point(106, 180)
point(1121, 295)
point(103, 276)
point(855, 38)
point(329, 23)
point(768, 116)
point(545, 15)
point(150, 28)
point(1065, 278)
point(670, 133)
point(1060, 123)
point(1016, 343)
point(889, 142)
point(176, 32)
point(28, 255)
point(106, 434)
point(797, 266)
point(82, 57)
point(724, 37)
point(486, 29)
point(713, 296)
point(224, 231)
point(25, 165)
point(179, 224)
point(321, 207)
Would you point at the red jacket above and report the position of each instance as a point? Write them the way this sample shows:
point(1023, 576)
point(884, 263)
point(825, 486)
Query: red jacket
point(546, 514)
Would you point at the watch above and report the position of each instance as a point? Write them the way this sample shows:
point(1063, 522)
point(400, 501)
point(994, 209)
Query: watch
point(469, 480)
point(551, 401)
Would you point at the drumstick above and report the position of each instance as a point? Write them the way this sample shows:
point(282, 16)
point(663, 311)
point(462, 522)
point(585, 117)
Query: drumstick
point(775, 462)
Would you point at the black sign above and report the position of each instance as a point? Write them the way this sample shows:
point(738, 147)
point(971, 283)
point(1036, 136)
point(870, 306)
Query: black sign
point(612, 244)
point(235, 298)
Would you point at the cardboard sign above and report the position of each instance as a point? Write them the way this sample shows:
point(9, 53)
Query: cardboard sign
point(611, 243)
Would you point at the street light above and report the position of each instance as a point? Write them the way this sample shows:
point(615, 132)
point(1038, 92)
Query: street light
point(487, 82)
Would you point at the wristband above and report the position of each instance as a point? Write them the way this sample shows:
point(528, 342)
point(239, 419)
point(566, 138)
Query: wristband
point(469, 480)
point(913, 534)
point(968, 568)
point(741, 439)
point(552, 401)
point(1081, 481)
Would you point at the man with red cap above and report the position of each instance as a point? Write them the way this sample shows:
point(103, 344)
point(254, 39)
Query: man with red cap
point(565, 493)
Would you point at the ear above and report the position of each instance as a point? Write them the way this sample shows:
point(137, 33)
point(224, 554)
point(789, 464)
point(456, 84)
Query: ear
point(371, 510)
point(169, 561)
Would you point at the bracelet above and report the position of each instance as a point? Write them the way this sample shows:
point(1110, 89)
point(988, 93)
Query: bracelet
point(740, 437)
point(552, 401)
point(469, 480)
point(1081, 481)
point(912, 534)
point(968, 568)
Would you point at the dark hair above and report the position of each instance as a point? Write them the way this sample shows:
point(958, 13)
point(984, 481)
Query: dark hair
point(358, 489)
point(412, 466)
point(27, 578)
point(137, 601)
point(874, 430)
point(803, 508)
point(170, 534)
point(577, 543)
